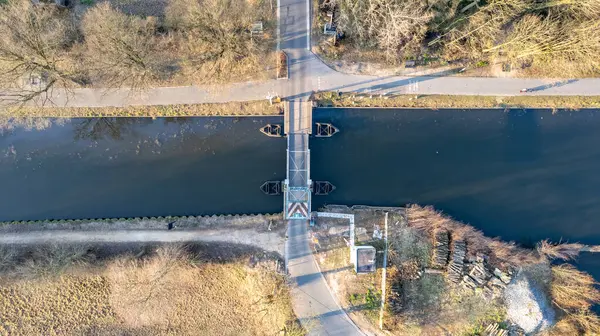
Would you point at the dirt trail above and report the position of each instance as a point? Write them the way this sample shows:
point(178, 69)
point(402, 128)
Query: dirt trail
point(269, 240)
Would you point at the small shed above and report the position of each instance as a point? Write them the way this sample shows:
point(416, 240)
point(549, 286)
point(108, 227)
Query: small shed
point(364, 258)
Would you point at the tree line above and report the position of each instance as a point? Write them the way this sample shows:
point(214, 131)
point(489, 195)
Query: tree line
point(44, 48)
point(521, 32)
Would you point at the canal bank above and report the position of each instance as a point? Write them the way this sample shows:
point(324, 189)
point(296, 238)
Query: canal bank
point(523, 175)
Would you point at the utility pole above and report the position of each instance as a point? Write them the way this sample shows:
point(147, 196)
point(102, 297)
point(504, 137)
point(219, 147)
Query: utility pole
point(384, 274)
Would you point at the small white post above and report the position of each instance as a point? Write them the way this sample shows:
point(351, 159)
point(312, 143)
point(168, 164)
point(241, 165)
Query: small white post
point(352, 252)
point(384, 274)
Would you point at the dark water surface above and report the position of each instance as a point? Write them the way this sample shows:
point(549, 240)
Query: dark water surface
point(521, 175)
point(126, 167)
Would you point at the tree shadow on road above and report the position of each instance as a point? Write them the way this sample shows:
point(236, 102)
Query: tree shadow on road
point(552, 85)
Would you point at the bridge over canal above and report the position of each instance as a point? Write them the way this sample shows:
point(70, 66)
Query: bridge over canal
point(314, 303)
point(297, 187)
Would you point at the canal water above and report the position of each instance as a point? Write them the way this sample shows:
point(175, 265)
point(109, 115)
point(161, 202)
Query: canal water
point(523, 175)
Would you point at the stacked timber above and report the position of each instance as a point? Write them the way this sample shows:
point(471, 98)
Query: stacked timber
point(495, 330)
point(441, 249)
point(457, 262)
point(480, 274)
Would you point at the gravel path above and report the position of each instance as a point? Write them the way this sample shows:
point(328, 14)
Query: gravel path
point(269, 241)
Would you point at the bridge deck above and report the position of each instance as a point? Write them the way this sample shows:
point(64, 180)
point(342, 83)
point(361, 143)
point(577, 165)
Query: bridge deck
point(297, 186)
point(299, 117)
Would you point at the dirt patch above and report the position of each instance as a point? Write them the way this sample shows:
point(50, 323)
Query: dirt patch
point(169, 289)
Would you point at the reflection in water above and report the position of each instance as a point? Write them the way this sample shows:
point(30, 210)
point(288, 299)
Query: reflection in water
point(102, 128)
point(127, 167)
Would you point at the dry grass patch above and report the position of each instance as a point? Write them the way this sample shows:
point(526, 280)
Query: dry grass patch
point(562, 251)
point(165, 291)
point(573, 289)
point(574, 292)
point(252, 108)
point(55, 306)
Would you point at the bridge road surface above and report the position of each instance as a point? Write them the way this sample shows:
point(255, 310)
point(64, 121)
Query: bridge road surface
point(313, 302)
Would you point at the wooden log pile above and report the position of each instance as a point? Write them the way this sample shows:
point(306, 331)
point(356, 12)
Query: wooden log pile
point(441, 249)
point(457, 262)
point(495, 330)
point(480, 274)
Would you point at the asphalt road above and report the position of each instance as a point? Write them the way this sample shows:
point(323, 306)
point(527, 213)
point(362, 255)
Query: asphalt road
point(321, 77)
point(313, 302)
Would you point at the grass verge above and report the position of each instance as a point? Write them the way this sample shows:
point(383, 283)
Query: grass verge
point(250, 108)
point(331, 99)
point(144, 290)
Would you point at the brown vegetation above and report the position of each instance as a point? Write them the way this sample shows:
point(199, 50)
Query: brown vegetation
point(500, 253)
point(152, 291)
point(430, 303)
point(562, 251)
point(122, 50)
point(388, 25)
point(28, 115)
point(541, 38)
point(214, 39)
point(45, 48)
point(446, 101)
point(34, 47)
point(574, 292)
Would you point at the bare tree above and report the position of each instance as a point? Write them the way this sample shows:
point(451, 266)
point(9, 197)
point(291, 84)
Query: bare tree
point(392, 25)
point(215, 32)
point(34, 45)
point(122, 50)
point(545, 40)
point(469, 34)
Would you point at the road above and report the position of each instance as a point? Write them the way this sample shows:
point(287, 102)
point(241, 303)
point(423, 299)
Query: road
point(314, 304)
point(321, 77)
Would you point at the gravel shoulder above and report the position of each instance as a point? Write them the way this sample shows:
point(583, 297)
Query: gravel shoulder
point(262, 231)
